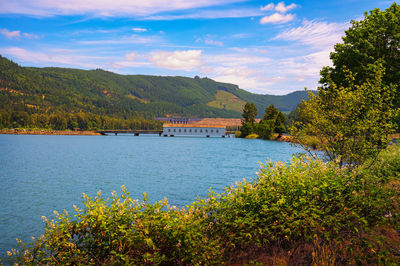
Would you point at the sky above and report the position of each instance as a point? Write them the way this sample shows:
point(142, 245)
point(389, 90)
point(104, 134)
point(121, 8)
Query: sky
point(264, 47)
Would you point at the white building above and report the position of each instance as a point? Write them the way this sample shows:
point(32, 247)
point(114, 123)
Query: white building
point(193, 130)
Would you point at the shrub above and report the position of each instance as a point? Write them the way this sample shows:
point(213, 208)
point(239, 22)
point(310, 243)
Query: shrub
point(246, 129)
point(265, 129)
point(290, 204)
point(121, 230)
point(252, 136)
point(238, 134)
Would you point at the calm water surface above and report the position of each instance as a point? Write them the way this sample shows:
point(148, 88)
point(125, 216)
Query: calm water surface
point(39, 174)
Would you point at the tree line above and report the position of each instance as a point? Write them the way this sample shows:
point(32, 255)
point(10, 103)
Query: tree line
point(71, 121)
point(273, 121)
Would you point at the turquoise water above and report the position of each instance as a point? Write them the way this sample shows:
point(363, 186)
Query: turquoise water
point(39, 174)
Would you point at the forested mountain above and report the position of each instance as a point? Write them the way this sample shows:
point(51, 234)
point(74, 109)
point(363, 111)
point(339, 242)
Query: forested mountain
point(62, 90)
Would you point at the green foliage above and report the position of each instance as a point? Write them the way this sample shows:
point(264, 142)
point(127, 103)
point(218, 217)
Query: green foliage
point(279, 126)
point(273, 121)
point(278, 119)
point(70, 121)
point(249, 113)
point(289, 206)
point(374, 38)
point(387, 165)
point(297, 115)
point(265, 129)
point(60, 90)
point(228, 101)
point(351, 124)
point(270, 113)
point(246, 129)
point(285, 103)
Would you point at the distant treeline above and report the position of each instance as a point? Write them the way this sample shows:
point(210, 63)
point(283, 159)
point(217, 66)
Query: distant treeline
point(64, 121)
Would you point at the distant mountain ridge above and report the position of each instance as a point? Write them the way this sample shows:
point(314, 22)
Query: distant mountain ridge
point(52, 90)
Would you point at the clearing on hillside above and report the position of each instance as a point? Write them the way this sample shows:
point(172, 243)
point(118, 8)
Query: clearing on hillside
point(228, 101)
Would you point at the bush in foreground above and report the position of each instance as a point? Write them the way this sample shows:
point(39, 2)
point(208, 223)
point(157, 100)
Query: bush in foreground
point(306, 212)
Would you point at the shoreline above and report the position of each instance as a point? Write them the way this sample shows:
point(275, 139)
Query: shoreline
point(49, 132)
point(283, 138)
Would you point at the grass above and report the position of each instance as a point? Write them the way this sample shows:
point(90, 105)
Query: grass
point(228, 101)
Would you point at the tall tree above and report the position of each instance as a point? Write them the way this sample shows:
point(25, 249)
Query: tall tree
point(270, 112)
point(374, 38)
point(277, 118)
point(279, 126)
point(349, 124)
point(249, 113)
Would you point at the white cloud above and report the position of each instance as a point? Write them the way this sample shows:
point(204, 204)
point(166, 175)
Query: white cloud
point(30, 36)
point(240, 67)
point(268, 7)
point(17, 34)
point(245, 82)
point(138, 29)
point(307, 67)
point(235, 59)
point(130, 56)
point(277, 18)
point(178, 60)
point(104, 7)
point(10, 34)
point(133, 39)
point(316, 34)
point(209, 14)
point(124, 64)
point(57, 57)
point(280, 7)
point(212, 42)
point(239, 49)
point(283, 9)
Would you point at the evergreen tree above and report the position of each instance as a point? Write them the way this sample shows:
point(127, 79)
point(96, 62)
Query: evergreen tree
point(279, 125)
point(249, 113)
point(270, 113)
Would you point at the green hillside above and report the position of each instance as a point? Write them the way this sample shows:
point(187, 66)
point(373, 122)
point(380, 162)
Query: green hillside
point(62, 90)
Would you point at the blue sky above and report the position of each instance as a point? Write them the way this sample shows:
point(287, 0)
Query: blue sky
point(262, 46)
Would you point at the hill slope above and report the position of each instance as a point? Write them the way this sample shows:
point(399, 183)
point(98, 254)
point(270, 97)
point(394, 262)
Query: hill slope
point(52, 90)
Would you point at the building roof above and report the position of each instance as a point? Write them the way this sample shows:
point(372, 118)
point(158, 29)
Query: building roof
point(194, 125)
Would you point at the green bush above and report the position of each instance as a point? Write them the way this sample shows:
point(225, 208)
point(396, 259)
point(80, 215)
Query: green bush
point(265, 129)
point(308, 210)
point(246, 129)
point(238, 134)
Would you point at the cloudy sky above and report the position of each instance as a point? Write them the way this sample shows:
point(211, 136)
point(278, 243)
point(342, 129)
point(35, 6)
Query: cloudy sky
point(264, 47)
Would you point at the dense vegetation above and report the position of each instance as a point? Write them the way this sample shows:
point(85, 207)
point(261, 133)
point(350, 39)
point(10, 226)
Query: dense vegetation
point(272, 121)
point(349, 124)
point(304, 212)
point(73, 121)
point(357, 107)
point(97, 93)
point(376, 38)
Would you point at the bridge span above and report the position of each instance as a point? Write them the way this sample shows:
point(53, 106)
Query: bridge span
point(138, 132)
point(129, 131)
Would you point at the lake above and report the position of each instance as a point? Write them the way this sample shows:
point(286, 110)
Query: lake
point(41, 173)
